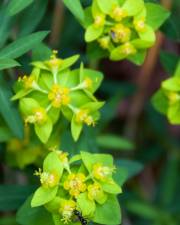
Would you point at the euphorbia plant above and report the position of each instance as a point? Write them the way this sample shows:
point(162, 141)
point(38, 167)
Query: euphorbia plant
point(167, 99)
point(84, 182)
point(120, 29)
point(53, 90)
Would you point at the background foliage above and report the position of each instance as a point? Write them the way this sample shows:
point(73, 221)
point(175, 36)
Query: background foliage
point(146, 147)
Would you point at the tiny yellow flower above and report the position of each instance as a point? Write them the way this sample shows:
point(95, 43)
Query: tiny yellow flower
point(48, 180)
point(173, 97)
point(99, 21)
point(88, 83)
point(95, 192)
point(59, 96)
point(101, 172)
point(83, 117)
point(140, 25)
point(118, 13)
point(66, 210)
point(39, 116)
point(120, 33)
point(54, 62)
point(104, 42)
point(27, 81)
point(75, 184)
point(128, 49)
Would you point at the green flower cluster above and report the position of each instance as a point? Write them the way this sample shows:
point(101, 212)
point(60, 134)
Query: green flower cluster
point(84, 183)
point(167, 99)
point(123, 29)
point(53, 89)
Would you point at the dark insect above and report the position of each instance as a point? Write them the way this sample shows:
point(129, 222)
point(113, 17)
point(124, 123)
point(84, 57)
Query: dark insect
point(80, 217)
point(113, 35)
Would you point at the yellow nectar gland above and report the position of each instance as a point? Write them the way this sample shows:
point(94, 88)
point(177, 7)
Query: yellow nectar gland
point(120, 33)
point(99, 21)
point(83, 117)
point(95, 191)
point(173, 97)
point(48, 180)
point(104, 42)
point(140, 25)
point(88, 83)
point(75, 184)
point(39, 116)
point(118, 13)
point(59, 96)
point(101, 172)
point(27, 81)
point(54, 62)
point(128, 49)
point(66, 210)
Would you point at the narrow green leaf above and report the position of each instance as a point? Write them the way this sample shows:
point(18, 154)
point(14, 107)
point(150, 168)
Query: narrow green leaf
point(76, 9)
point(8, 63)
point(31, 17)
point(16, 6)
point(132, 167)
point(12, 196)
point(9, 111)
point(22, 45)
point(113, 142)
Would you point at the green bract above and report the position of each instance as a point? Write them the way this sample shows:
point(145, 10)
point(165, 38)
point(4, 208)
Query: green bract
point(121, 29)
point(53, 89)
point(84, 183)
point(167, 99)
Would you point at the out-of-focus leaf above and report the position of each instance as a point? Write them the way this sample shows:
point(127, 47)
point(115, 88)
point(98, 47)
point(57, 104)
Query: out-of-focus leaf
point(22, 45)
point(16, 6)
point(8, 220)
point(8, 63)
point(33, 216)
point(156, 15)
point(5, 134)
point(41, 52)
point(169, 61)
point(12, 196)
point(169, 180)
point(9, 111)
point(31, 17)
point(5, 22)
point(76, 9)
point(113, 142)
point(143, 209)
point(132, 167)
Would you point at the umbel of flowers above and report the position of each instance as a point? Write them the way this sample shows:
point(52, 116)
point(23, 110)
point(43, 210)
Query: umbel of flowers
point(167, 99)
point(84, 182)
point(53, 90)
point(121, 29)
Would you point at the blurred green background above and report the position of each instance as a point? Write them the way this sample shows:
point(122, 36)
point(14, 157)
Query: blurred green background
point(142, 141)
